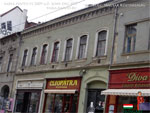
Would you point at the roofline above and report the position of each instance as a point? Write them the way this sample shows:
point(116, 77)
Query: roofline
point(11, 10)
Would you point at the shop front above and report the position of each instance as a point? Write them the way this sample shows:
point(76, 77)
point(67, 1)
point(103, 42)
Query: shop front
point(124, 86)
point(29, 93)
point(62, 95)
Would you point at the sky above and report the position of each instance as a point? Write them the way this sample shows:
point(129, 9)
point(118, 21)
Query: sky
point(45, 10)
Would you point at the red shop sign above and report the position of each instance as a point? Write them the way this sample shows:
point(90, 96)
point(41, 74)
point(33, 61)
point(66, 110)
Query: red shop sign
point(130, 78)
point(67, 83)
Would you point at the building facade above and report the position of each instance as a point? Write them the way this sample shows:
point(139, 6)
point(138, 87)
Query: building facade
point(8, 63)
point(68, 58)
point(130, 70)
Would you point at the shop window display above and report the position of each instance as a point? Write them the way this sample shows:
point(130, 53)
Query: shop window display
point(61, 103)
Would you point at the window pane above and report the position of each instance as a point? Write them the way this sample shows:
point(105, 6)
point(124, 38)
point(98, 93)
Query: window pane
point(68, 50)
point(10, 62)
point(58, 103)
point(43, 55)
point(33, 56)
point(55, 52)
point(49, 103)
point(101, 43)
point(1, 58)
point(74, 103)
point(82, 47)
point(9, 25)
point(3, 26)
point(24, 57)
point(130, 38)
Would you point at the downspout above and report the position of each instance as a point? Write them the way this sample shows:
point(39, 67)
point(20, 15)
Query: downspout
point(18, 52)
point(112, 50)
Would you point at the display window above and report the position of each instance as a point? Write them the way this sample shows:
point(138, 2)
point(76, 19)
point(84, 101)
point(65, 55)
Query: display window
point(27, 102)
point(61, 103)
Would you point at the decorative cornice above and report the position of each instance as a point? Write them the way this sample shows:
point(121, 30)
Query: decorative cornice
point(52, 25)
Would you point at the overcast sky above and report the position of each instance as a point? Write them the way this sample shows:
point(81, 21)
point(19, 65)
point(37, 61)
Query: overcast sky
point(44, 10)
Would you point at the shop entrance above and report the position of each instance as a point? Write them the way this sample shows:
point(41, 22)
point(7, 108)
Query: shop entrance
point(27, 102)
point(61, 103)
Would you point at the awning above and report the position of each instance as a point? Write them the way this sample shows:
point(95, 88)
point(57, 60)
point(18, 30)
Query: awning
point(126, 92)
point(60, 91)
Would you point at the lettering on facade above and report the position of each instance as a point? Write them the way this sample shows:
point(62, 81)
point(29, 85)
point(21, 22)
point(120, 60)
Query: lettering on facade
point(136, 77)
point(63, 83)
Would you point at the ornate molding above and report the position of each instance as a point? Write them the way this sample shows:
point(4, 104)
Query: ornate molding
point(2, 52)
point(11, 48)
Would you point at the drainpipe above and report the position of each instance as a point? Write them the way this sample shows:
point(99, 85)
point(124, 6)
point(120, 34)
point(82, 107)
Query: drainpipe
point(17, 59)
point(112, 50)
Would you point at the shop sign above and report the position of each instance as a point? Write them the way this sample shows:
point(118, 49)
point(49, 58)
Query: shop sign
point(130, 78)
point(136, 77)
point(63, 84)
point(30, 84)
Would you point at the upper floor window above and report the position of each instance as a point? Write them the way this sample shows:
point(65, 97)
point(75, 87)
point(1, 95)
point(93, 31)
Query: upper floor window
point(130, 38)
point(33, 56)
point(1, 59)
point(82, 47)
point(24, 57)
point(9, 25)
point(68, 49)
point(55, 52)
point(43, 54)
point(10, 63)
point(3, 25)
point(101, 43)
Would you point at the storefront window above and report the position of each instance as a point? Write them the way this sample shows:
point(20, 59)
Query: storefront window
point(27, 102)
point(97, 99)
point(61, 103)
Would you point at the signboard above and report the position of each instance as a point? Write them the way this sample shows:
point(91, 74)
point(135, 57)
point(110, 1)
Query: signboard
point(68, 83)
point(130, 78)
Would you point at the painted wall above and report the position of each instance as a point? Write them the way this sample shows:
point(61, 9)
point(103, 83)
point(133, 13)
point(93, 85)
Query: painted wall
point(18, 19)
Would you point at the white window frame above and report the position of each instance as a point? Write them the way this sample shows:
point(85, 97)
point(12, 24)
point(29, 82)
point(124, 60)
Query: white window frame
point(65, 44)
point(46, 53)
point(52, 50)
point(78, 44)
point(23, 56)
point(96, 39)
point(35, 56)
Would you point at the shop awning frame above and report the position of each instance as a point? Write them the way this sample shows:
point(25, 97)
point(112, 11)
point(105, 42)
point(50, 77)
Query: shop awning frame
point(59, 91)
point(126, 92)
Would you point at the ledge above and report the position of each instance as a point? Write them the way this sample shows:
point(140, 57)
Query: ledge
point(101, 57)
point(135, 53)
point(81, 60)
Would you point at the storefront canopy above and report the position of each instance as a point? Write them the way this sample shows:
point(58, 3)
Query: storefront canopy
point(60, 91)
point(126, 92)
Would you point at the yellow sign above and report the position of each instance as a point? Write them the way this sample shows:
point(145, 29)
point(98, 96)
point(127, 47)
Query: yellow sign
point(63, 83)
point(137, 77)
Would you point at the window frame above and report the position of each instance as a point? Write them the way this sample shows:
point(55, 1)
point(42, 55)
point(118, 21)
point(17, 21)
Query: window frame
point(65, 48)
point(45, 59)
point(3, 24)
point(96, 41)
point(133, 39)
point(9, 23)
point(10, 62)
point(52, 51)
point(23, 57)
point(78, 46)
point(35, 56)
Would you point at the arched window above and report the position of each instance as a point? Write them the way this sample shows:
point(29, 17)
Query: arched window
point(24, 57)
point(101, 43)
point(82, 47)
point(55, 52)
point(34, 53)
point(68, 49)
point(43, 54)
point(5, 91)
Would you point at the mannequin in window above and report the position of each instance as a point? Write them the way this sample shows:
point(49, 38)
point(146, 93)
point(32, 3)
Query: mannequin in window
point(140, 99)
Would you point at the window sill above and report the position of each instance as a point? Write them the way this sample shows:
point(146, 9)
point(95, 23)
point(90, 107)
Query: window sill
point(101, 57)
point(66, 61)
point(54, 63)
point(135, 53)
point(81, 60)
